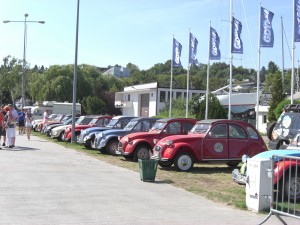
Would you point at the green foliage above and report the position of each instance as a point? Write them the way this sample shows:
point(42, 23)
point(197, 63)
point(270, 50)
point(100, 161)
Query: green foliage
point(215, 109)
point(279, 109)
point(178, 109)
point(277, 95)
point(93, 105)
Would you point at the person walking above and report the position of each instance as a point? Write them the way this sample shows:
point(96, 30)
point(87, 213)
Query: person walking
point(4, 111)
point(1, 124)
point(28, 123)
point(12, 119)
point(21, 121)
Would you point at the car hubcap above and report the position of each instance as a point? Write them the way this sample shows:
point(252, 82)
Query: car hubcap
point(294, 188)
point(143, 154)
point(184, 162)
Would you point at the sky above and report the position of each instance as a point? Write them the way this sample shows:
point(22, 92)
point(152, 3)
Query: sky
point(139, 31)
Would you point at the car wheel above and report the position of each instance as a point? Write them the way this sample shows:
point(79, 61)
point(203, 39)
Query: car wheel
point(142, 152)
point(76, 137)
point(93, 144)
point(292, 190)
point(164, 164)
point(184, 162)
point(112, 147)
point(270, 129)
point(61, 136)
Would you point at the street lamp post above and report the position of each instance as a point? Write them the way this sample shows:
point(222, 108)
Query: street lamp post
point(25, 21)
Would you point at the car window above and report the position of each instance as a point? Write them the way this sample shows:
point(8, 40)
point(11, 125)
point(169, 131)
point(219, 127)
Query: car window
point(137, 126)
point(186, 127)
point(219, 131)
point(146, 125)
point(252, 133)
point(173, 128)
point(236, 131)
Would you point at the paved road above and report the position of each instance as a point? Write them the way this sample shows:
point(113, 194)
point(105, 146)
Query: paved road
point(43, 183)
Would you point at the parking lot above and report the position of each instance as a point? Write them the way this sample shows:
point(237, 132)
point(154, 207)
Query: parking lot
point(44, 183)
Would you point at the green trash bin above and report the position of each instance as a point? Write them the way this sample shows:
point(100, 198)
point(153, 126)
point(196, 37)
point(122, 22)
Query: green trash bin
point(148, 168)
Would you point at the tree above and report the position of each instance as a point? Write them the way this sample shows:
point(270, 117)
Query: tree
point(277, 95)
point(215, 109)
point(93, 105)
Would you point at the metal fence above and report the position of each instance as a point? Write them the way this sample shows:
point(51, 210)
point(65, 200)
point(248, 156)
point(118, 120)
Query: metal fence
point(285, 197)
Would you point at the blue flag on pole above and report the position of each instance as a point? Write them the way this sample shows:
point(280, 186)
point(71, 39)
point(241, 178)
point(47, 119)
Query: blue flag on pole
point(266, 30)
point(214, 42)
point(297, 21)
point(176, 53)
point(193, 49)
point(236, 30)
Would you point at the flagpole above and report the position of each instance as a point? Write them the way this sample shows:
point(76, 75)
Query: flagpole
point(188, 79)
point(293, 54)
point(171, 81)
point(258, 68)
point(230, 58)
point(207, 77)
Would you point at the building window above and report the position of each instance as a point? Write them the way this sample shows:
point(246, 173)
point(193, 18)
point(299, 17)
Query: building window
point(178, 94)
point(128, 98)
point(265, 119)
point(162, 96)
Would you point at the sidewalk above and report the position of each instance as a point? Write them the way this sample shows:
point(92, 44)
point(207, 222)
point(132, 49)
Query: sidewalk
point(43, 183)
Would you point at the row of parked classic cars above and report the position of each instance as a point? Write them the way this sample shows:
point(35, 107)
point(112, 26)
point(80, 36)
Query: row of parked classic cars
point(173, 141)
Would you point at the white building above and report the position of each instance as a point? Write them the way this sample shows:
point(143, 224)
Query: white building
point(148, 100)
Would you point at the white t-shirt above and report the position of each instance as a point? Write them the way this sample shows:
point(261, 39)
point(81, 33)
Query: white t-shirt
point(45, 117)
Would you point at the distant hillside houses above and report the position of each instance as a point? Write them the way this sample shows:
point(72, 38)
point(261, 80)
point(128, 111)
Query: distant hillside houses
point(117, 71)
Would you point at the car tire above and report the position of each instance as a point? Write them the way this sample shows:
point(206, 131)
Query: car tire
point(184, 162)
point(165, 164)
point(142, 152)
point(112, 147)
point(294, 186)
point(61, 136)
point(270, 129)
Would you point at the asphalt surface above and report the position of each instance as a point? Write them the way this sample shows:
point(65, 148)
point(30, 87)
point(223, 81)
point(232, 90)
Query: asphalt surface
point(43, 183)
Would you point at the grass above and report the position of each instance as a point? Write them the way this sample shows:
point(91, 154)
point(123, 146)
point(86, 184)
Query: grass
point(212, 181)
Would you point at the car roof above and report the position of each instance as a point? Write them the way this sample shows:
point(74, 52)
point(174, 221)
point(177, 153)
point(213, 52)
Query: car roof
point(176, 119)
point(212, 121)
point(144, 118)
point(119, 117)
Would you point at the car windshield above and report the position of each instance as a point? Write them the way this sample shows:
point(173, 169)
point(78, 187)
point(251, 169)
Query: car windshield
point(67, 121)
point(130, 125)
point(93, 121)
point(200, 128)
point(158, 126)
point(83, 121)
point(112, 123)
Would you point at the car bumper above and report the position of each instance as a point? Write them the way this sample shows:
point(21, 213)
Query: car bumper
point(238, 177)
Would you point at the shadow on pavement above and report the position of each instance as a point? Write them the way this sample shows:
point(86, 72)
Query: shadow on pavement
point(19, 148)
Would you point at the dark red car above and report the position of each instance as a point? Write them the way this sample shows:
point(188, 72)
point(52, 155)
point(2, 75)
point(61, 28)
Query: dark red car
point(139, 145)
point(96, 121)
point(210, 141)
